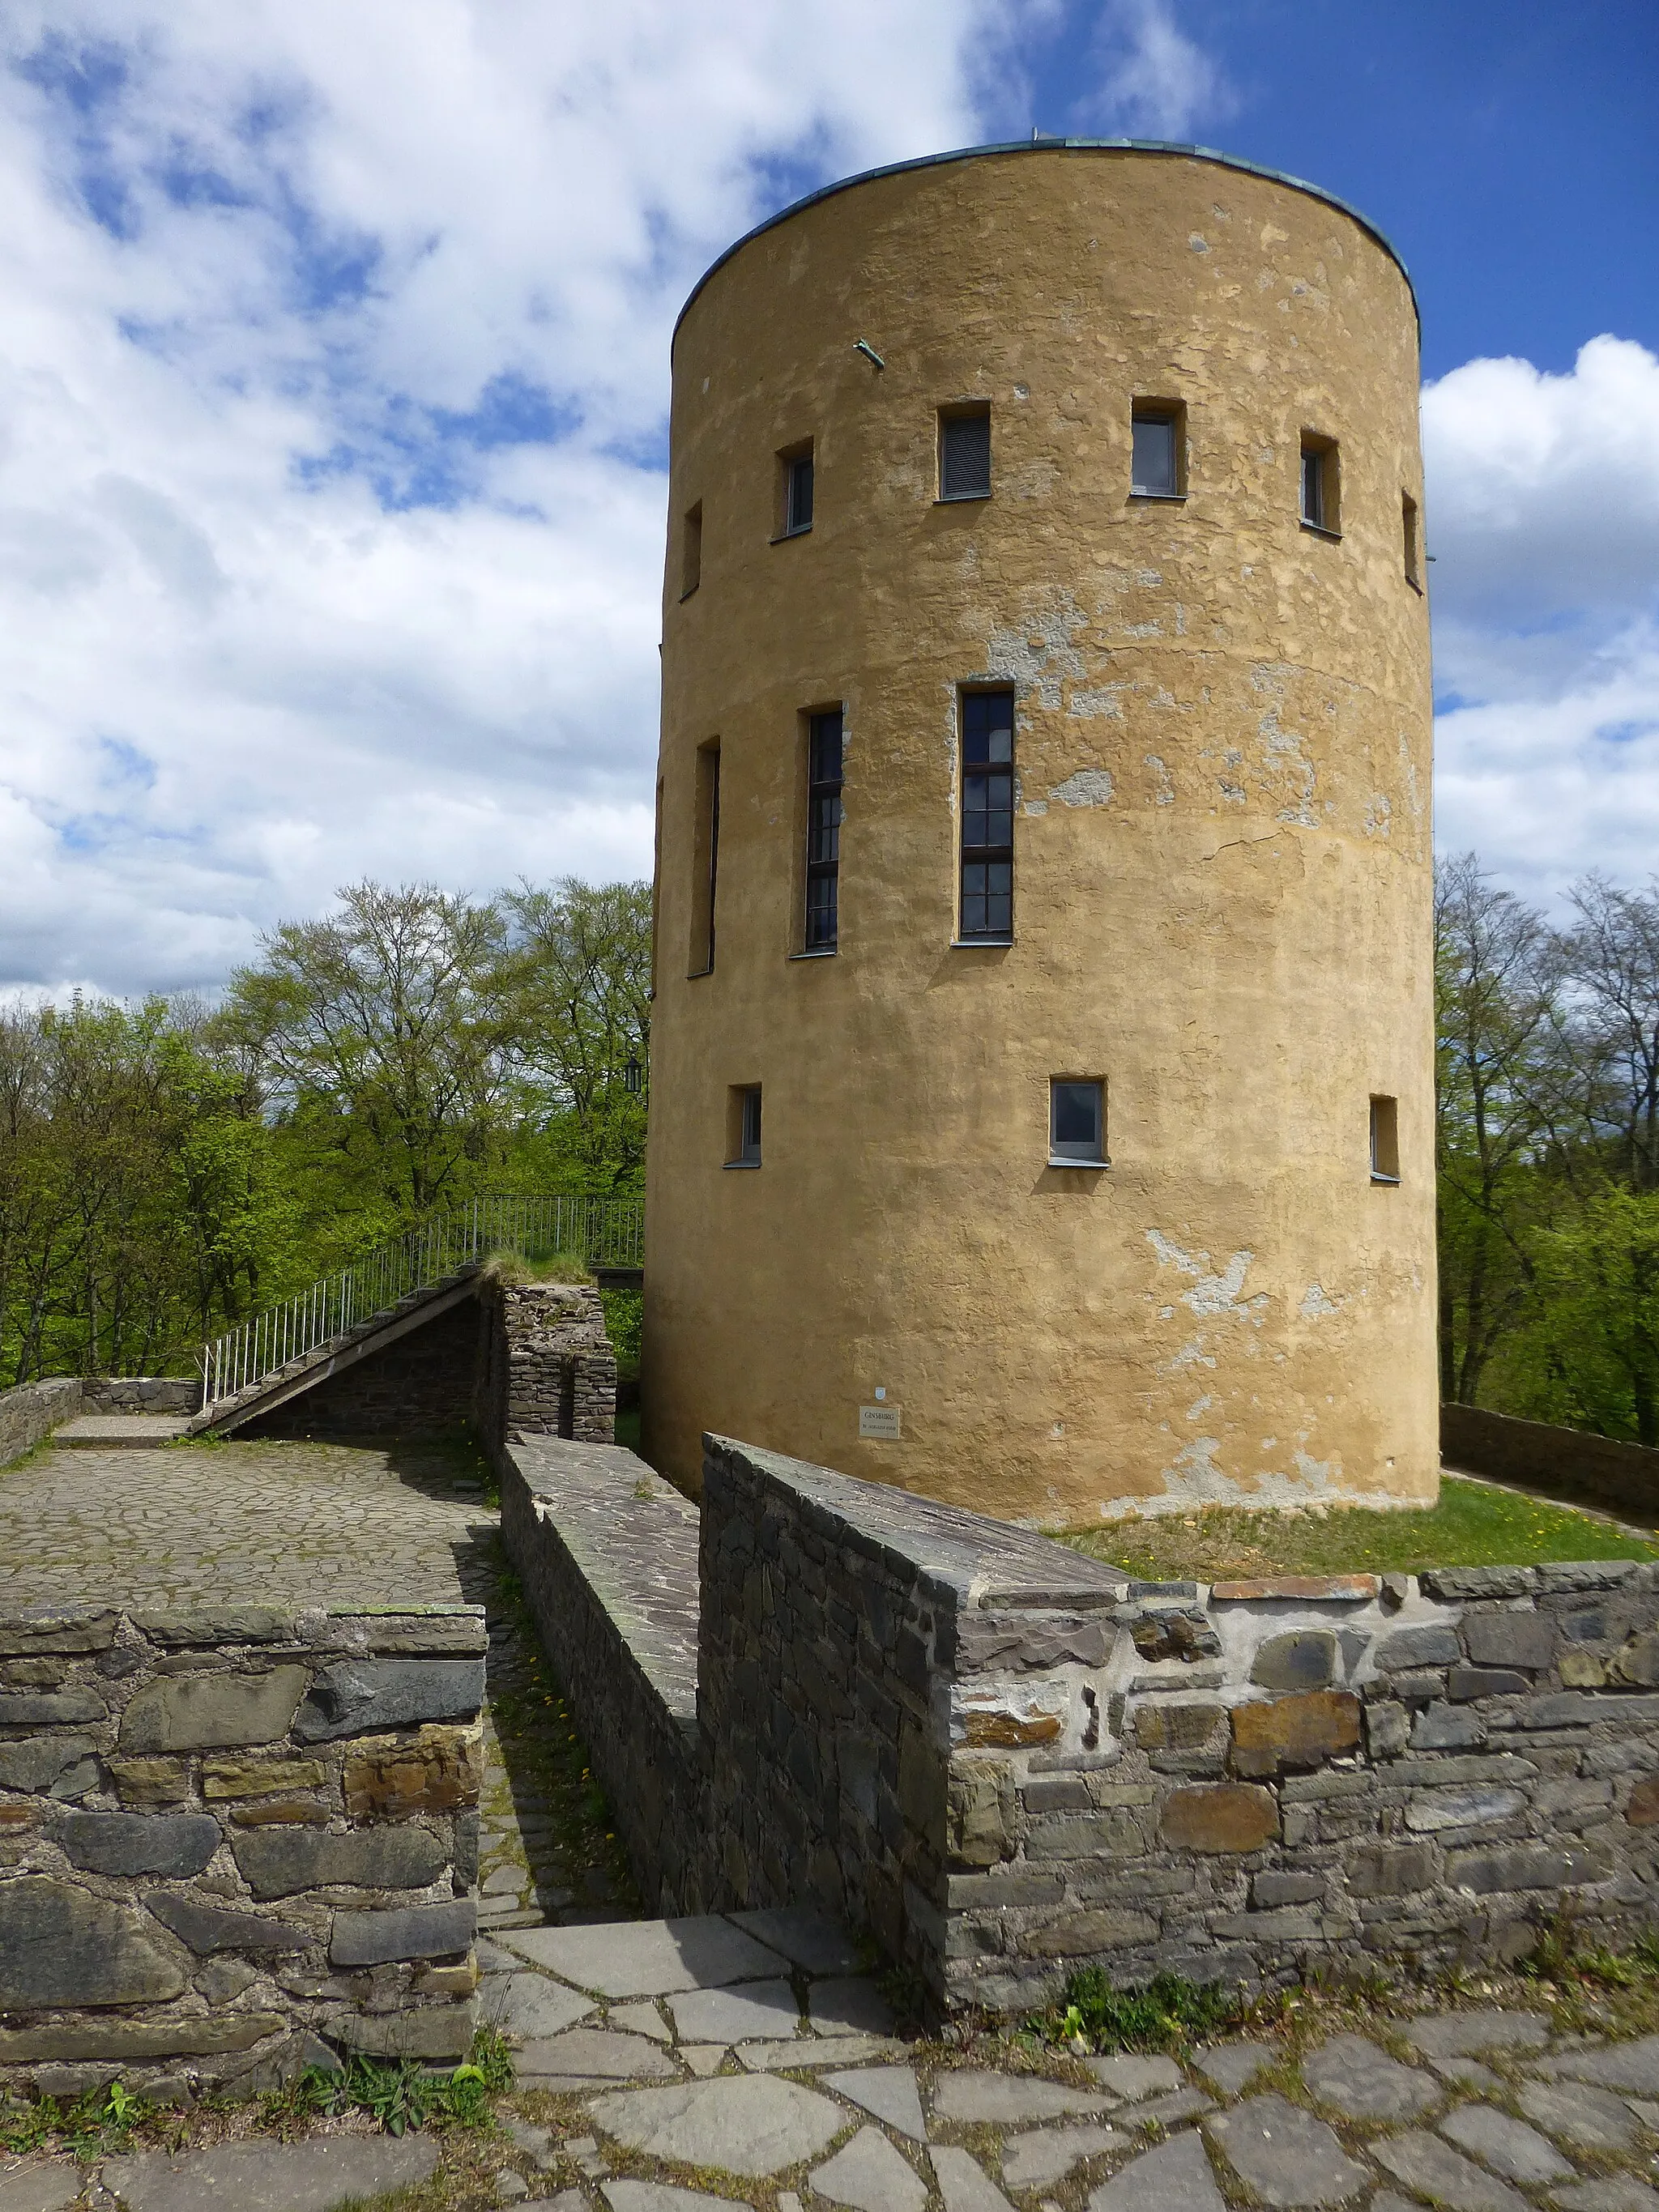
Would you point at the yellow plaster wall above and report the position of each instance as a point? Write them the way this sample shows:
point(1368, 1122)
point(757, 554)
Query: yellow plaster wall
point(1222, 854)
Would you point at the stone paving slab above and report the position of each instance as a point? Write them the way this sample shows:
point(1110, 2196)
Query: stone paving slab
point(268, 2177)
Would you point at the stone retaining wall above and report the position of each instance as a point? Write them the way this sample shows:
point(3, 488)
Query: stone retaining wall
point(232, 1843)
point(30, 1414)
point(1006, 1761)
point(1560, 1462)
point(142, 1394)
point(546, 1367)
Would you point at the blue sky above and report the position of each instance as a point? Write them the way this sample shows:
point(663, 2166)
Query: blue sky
point(333, 377)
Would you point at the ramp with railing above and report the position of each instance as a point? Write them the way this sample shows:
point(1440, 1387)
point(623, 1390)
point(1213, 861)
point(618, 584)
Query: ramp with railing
point(398, 1285)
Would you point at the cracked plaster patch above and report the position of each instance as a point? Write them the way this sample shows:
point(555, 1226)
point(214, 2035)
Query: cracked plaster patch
point(1315, 1302)
point(1211, 1295)
point(1104, 702)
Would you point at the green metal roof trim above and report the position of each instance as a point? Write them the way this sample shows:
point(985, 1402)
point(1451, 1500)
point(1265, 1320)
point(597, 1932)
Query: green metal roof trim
point(1057, 146)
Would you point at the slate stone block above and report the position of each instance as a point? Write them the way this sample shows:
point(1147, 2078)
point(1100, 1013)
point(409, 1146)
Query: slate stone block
point(51, 1708)
point(1465, 1684)
point(1080, 1934)
point(1642, 1810)
point(136, 2040)
point(442, 1770)
point(1185, 1635)
point(1271, 1888)
point(1220, 1818)
point(34, 1762)
point(1449, 1585)
point(210, 1928)
point(1300, 1731)
point(212, 1712)
point(1391, 1869)
point(280, 1862)
point(1301, 1659)
point(361, 1697)
point(1523, 1866)
point(1510, 1640)
point(1447, 1728)
point(66, 1946)
point(56, 1628)
point(1387, 1728)
point(424, 1931)
point(177, 1844)
point(1434, 1644)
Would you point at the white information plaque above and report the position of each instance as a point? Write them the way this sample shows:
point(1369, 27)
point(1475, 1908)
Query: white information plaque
point(878, 1421)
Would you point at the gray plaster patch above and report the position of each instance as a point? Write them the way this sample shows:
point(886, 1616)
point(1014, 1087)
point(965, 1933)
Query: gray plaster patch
point(1590, 2119)
point(1126, 2076)
point(1174, 2177)
point(1453, 2035)
point(755, 2010)
point(975, 2094)
point(1042, 2156)
point(41, 2185)
point(303, 2176)
point(849, 2006)
point(524, 2006)
point(807, 1939)
point(1509, 2146)
point(647, 1958)
point(1356, 2079)
point(870, 2175)
point(1434, 2170)
point(1232, 2066)
point(750, 2124)
point(965, 2184)
point(889, 2092)
point(1285, 2156)
point(596, 2054)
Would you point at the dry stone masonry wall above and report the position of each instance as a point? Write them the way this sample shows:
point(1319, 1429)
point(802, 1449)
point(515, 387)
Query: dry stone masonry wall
point(547, 1366)
point(233, 1842)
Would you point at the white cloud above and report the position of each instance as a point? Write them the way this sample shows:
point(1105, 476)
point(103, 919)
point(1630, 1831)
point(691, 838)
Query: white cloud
point(331, 399)
point(1543, 495)
point(1155, 81)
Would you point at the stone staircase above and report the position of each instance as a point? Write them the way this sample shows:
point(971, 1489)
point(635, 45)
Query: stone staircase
point(304, 1371)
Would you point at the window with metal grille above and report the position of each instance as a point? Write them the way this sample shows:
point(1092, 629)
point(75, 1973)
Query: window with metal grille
point(988, 817)
point(1077, 1124)
point(797, 493)
point(964, 453)
point(824, 767)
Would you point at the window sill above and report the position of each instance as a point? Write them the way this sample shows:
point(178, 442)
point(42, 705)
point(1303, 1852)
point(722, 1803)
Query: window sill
point(1415, 586)
point(959, 498)
point(1390, 1183)
point(1055, 1162)
point(691, 595)
point(817, 952)
point(978, 944)
point(696, 974)
point(784, 536)
point(1158, 498)
point(1318, 530)
point(730, 1164)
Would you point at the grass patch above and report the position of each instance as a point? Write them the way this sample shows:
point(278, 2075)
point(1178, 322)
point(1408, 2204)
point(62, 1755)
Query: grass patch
point(1168, 2015)
point(400, 2094)
point(539, 1267)
point(1473, 1526)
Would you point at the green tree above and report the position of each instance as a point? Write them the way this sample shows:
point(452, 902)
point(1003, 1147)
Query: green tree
point(1597, 1329)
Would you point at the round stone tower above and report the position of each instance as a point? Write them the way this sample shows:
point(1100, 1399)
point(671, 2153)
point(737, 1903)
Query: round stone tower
point(1043, 1055)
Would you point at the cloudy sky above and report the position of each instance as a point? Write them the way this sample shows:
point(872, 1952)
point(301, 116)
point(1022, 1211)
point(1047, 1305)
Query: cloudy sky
point(333, 369)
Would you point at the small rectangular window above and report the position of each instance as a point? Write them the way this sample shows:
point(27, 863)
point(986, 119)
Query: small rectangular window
point(987, 817)
point(743, 1126)
point(1156, 471)
point(1408, 531)
point(965, 453)
point(794, 499)
point(1321, 508)
point(705, 860)
point(1385, 1140)
point(691, 552)
point(823, 819)
point(1077, 1124)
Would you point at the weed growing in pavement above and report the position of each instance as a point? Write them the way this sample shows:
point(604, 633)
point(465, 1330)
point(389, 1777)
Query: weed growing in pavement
point(400, 2094)
point(1166, 2014)
point(102, 2121)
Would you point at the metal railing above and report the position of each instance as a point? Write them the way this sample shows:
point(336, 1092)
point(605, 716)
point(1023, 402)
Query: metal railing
point(606, 1232)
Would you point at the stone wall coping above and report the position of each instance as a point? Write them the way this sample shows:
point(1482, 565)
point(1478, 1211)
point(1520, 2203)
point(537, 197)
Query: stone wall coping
point(978, 1564)
point(1343, 1590)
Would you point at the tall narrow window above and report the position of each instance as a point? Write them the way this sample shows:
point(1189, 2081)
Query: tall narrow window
point(705, 860)
point(1321, 508)
point(965, 453)
point(824, 763)
point(1385, 1140)
point(743, 1126)
point(1156, 470)
point(1077, 1124)
point(1408, 532)
point(988, 817)
point(691, 552)
point(795, 479)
